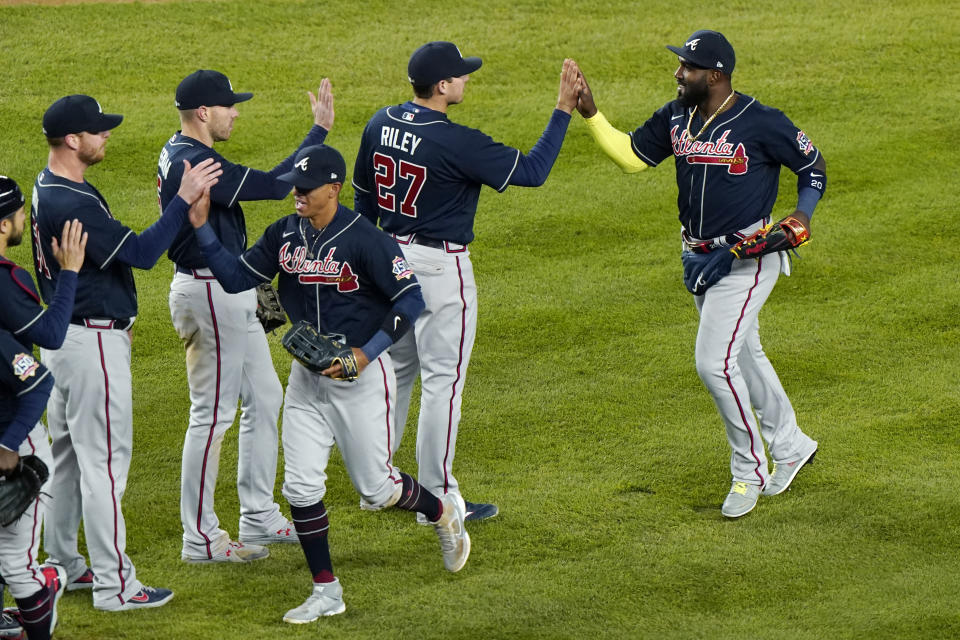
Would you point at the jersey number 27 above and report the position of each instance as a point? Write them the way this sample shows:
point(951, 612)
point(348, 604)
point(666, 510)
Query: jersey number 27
point(387, 171)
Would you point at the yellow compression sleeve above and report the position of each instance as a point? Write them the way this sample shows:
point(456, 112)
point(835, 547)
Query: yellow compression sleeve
point(614, 143)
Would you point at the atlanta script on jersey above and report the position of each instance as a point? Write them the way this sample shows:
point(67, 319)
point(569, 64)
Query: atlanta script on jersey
point(727, 178)
point(342, 279)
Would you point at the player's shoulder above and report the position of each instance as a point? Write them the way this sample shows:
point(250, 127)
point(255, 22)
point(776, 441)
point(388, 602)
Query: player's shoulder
point(185, 147)
point(15, 280)
point(54, 189)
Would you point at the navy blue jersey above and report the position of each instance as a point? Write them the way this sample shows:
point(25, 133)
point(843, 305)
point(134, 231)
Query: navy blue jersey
point(20, 373)
point(21, 302)
point(728, 177)
point(105, 287)
point(424, 172)
point(237, 183)
point(343, 279)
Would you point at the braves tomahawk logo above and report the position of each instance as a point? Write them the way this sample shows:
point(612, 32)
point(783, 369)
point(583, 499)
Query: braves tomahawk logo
point(323, 271)
point(719, 151)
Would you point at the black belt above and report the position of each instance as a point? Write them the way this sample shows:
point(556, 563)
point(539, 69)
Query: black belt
point(427, 242)
point(706, 246)
point(121, 324)
point(193, 272)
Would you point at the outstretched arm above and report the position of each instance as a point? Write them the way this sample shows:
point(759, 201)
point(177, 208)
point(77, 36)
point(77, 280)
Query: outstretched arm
point(49, 328)
point(533, 168)
point(144, 250)
point(612, 142)
point(263, 185)
point(226, 267)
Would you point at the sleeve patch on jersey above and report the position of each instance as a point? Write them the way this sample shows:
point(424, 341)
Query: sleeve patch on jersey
point(400, 268)
point(806, 146)
point(24, 366)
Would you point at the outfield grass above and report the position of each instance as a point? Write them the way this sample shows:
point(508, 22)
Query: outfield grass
point(583, 416)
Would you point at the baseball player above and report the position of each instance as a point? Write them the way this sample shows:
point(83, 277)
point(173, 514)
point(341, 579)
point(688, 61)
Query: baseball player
point(90, 410)
point(25, 386)
point(346, 278)
point(227, 353)
point(419, 175)
point(728, 149)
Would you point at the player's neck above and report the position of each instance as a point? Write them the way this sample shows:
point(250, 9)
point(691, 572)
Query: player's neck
point(66, 164)
point(718, 102)
point(325, 217)
point(197, 132)
point(437, 102)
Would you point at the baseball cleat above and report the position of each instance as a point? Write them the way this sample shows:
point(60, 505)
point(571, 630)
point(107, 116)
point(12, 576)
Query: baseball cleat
point(784, 473)
point(286, 533)
point(326, 600)
point(454, 539)
point(10, 624)
point(234, 552)
point(85, 581)
point(146, 598)
point(741, 500)
point(476, 511)
point(56, 579)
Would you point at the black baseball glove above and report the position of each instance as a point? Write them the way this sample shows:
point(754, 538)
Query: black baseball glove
point(21, 487)
point(319, 352)
point(788, 233)
point(270, 312)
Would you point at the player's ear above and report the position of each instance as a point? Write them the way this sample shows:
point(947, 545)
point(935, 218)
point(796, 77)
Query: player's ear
point(335, 188)
point(72, 140)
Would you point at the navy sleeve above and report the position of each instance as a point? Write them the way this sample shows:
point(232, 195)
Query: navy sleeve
point(651, 142)
point(49, 328)
point(789, 145)
point(263, 185)
point(22, 376)
point(144, 250)
point(230, 270)
point(409, 305)
point(533, 168)
point(483, 160)
point(386, 266)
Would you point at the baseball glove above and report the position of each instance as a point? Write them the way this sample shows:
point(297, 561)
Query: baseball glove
point(270, 312)
point(21, 487)
point(789, 233)
point(319, 352)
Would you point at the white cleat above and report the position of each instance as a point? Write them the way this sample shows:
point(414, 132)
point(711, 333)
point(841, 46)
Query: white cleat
point(234, 552)
point(326, 600)
point(454, 539)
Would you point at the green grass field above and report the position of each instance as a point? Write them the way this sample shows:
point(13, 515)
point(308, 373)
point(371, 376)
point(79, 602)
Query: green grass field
point(583, 416)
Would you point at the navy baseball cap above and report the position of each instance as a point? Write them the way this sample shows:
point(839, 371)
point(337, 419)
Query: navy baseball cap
point(11, 198)
point(76, 114)
point(436, 61)
point(316, 166)
point(709, 50)
point(206, 88)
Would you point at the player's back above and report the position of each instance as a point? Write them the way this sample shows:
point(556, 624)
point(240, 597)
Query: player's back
point(423, 173)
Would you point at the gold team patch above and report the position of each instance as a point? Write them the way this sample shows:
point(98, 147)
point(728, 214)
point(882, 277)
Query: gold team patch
point(24, 365)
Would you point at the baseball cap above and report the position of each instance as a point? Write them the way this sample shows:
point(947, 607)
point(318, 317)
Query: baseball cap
point(11, 198)
point(436, 61)
point(316, 166)
point(707, 49)
point(206, 88)
point(76, 114)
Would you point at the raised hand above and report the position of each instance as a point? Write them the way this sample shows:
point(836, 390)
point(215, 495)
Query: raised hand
point(322, 105)
point(200, 210)
point(569, 86)
point(198, 179)
point(70, 251)
point(586, 106)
